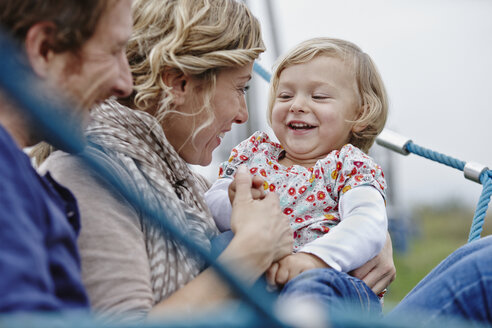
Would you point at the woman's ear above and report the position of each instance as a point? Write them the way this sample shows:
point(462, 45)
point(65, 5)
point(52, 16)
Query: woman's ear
point(179, 84)
point(39, 47)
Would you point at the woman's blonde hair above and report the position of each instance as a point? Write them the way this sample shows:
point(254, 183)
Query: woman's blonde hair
point(196, 38)
point(373, 100)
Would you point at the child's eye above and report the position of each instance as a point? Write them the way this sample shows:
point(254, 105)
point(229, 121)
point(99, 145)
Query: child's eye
point(284, 95)
point(320, 96)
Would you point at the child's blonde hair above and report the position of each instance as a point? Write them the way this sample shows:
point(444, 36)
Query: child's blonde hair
point(373, 109)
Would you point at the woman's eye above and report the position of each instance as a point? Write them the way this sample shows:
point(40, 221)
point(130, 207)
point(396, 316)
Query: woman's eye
point(244, 89)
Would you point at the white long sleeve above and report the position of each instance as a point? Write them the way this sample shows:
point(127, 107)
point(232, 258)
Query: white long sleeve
point(217, 199)
point(359, 236)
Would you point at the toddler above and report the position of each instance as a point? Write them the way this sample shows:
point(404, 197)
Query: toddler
point(327, 104)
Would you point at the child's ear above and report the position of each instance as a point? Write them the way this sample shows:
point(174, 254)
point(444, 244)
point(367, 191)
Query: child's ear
point(39, 47)
point(359, 126)
point(179, 84)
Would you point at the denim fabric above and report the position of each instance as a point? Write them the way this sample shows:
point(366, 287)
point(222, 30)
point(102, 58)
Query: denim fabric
point(459, 287)
point(335, 291)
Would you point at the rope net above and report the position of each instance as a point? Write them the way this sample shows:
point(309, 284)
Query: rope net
point(256, 307)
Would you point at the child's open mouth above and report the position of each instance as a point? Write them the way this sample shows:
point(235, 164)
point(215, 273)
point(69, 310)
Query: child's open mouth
point(300, 126)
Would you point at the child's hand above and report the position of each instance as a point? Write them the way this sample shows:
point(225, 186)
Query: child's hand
point(257, 191)
point(291, 266)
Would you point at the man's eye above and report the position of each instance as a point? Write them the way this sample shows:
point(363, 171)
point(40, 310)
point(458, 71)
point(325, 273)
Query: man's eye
point(117, 51)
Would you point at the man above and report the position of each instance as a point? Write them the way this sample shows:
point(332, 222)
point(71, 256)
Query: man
point(78, 48)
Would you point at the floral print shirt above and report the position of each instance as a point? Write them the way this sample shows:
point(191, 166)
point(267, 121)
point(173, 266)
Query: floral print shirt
point(309, 197)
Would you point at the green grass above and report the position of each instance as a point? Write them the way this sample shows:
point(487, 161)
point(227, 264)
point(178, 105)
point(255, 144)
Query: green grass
point(439, 233)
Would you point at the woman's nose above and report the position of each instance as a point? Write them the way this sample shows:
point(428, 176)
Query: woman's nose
point(242, 115)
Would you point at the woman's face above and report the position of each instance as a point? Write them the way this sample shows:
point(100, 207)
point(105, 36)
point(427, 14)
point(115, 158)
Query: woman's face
point(229, 106)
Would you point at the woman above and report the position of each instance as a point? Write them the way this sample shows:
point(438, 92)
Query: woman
point(191, 61)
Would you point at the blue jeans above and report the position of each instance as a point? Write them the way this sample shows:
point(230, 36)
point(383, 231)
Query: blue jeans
point(335, 291)
point(459, 287)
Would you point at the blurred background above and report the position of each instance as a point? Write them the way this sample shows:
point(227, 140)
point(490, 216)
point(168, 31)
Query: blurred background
point(434, 57)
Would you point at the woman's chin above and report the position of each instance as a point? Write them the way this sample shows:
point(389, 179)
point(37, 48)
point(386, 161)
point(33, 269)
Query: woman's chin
point(202, 161)
point(205, 162)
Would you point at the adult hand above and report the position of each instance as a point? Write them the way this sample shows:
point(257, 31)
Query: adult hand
point(260, 221)
point(292, 265)
point(257, 190)
point(379, 272)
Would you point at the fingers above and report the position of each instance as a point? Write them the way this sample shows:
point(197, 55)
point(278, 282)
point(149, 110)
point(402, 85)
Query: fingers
point(271, 273)
point(257, 191)
point(257, 194)
point(257, 182)
point(380, 286)
point(379, 283)
point(371, 278)
point(232, 191)
point(243, 185)
point(283, 276)
point(379, 278)
point(364, 270)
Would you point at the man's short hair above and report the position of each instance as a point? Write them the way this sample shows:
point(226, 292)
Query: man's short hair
point(75, 20)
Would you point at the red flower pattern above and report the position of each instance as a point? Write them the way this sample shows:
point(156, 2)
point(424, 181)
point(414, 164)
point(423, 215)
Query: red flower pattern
point(346, 168)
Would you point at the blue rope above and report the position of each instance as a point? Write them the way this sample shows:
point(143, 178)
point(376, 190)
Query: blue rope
point(485, 179)
point(482, 206)
point(262, 72)
point(14, 80)
point(23, 89)
point(19, 82)
point(435, 156)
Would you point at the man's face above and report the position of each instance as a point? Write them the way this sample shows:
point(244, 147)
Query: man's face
point(100, 69)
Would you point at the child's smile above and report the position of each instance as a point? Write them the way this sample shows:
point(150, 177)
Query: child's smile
point(314, 105)
point(300, 127)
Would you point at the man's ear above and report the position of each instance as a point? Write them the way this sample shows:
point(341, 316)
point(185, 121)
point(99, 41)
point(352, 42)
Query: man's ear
point(179, 84)
point(39, 46)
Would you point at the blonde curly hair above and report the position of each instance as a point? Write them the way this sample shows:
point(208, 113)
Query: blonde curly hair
point(373, 109)
point(197, 38)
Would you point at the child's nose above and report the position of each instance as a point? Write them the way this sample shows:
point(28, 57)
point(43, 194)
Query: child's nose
point(298, 106)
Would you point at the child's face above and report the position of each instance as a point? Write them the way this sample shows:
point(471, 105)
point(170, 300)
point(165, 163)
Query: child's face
point(313, 102)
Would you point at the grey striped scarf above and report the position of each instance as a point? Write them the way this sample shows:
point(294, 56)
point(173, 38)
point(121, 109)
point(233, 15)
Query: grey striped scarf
point(134, 140)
